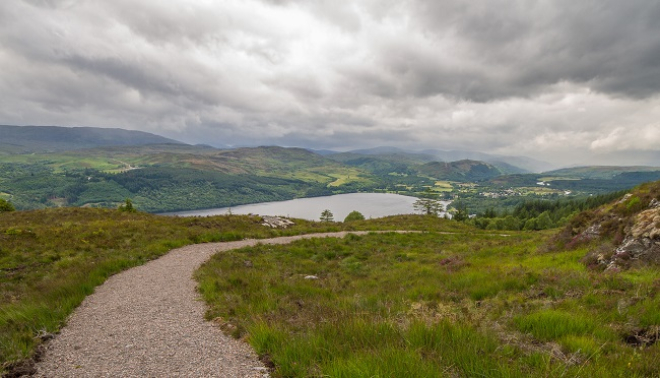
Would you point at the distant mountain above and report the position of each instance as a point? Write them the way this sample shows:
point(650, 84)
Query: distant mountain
point(598, 172)
point(384, 160)
point(462, 170)
point(269, 159)
point(379, 150)
point(322, 152)
point(389, 153)
point(27, 139)
point(508, 164)
point(383, 164)
point(526, 164)
point(508, 169)
point(265, 160)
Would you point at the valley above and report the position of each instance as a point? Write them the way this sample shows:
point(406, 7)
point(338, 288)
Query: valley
point(169, 177)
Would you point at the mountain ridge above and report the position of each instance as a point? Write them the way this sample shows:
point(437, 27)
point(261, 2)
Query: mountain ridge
point(29, 139)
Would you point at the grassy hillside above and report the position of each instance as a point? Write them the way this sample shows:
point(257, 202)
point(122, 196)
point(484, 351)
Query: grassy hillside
point(462, 170)
point(173, 177)
point(384, 164)
point(153, 189)
point(437, 304)
point(453, 301)
point(51, 259)
point(28, 139)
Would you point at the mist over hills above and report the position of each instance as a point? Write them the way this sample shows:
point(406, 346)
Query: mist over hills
point(45, 139)
point(509, 164)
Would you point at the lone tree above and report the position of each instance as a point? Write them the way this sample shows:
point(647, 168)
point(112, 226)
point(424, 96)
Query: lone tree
point(127, 206)
point(6, 206)
point(428, 204)
point(461, 213)
point(354, 216)
point(327, 216)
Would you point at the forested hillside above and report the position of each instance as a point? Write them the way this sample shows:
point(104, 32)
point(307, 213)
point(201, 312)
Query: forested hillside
point(173, 176)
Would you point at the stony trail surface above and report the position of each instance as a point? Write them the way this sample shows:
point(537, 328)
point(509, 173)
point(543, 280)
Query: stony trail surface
point(148, 321)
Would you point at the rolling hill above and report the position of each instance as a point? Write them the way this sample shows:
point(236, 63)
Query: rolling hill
point(29, 139)
point(161, 174)
point(508, 164)
point(598, 172)
point(462, 170)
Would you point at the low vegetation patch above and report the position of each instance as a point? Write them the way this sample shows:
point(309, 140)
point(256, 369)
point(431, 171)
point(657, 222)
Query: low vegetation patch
point(434, 304)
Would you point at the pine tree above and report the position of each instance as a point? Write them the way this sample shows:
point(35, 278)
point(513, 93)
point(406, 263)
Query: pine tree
point(327, 216)
point(428, 204)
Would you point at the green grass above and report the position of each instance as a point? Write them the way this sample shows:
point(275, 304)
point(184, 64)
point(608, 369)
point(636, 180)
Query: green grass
point(433, 304)
point(51, 259)
point(552, 324)
point(454, 301)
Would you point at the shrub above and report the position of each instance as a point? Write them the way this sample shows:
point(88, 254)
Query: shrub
point(353, 216)
point(6, 206)
point(127, 206)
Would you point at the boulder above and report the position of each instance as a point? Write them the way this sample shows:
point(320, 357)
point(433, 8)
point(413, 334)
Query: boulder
point(276, 222)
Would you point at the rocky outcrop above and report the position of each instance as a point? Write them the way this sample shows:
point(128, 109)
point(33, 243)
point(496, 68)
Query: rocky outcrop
point(276, 222)
point(642, 241)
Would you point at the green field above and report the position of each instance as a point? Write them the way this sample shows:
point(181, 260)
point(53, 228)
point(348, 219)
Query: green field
point(443, 186)
point(557, 178)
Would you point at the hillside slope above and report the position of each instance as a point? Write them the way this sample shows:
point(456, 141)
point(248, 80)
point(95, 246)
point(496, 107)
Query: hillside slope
point(462, 170)
point(162, 178)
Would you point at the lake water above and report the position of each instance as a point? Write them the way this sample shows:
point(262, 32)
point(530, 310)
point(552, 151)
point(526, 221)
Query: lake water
point(371, 205)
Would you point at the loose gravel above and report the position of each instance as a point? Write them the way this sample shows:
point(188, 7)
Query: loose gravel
point(149, 322)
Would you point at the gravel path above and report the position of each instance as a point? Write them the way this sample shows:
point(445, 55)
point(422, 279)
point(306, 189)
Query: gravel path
point(149, 322)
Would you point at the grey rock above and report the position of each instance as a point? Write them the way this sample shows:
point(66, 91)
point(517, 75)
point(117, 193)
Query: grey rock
point(276, 222)
point(654, 204)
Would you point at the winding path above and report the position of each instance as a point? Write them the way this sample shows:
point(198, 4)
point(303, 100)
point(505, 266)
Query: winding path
point(148, 321)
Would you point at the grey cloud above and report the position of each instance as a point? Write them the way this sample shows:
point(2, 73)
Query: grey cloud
point(612, 46)
point(54, 4)
point(535, 77)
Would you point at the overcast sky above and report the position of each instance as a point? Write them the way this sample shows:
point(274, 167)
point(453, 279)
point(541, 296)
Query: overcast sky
point(565, 81)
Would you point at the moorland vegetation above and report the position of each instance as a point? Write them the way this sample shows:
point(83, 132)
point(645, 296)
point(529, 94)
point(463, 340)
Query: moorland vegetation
point(453, 300)
point(450, 304)
point(51, 259)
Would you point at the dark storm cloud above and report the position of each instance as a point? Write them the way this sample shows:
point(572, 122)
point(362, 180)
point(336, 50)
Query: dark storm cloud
point(556, 78)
